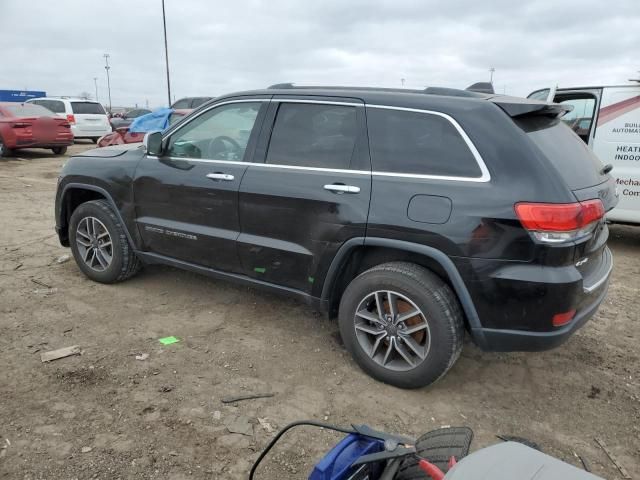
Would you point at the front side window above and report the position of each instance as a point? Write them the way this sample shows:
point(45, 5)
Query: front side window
point(221, 133)
point(313, 135)
point(418, 143)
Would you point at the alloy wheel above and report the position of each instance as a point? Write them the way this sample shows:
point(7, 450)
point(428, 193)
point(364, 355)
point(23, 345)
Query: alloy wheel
point(94, 244)
point(392, 330)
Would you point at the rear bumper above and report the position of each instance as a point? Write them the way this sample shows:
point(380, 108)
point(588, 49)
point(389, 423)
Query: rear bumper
point(93, 132)
point(519, 318)
point(499, 340)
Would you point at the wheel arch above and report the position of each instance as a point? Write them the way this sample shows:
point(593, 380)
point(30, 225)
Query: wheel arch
point(359, 254)
point(74, 195)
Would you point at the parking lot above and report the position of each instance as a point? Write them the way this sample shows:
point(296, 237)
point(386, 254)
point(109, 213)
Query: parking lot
point(106, 414)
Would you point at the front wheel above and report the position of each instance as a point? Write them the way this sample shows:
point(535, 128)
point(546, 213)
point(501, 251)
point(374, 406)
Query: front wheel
point(402, 324)
point(59, 150)
point(99, 243)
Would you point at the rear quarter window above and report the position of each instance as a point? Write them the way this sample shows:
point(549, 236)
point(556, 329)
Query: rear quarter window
point(418, 143)
point(90, 108)
point(576, 163)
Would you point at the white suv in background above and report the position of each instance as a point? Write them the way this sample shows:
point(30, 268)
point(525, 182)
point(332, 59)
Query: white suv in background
point(87, 118)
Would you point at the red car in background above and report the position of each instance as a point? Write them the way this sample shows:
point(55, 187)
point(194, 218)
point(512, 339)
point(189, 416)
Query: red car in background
point(122, 135)
point(25, 125)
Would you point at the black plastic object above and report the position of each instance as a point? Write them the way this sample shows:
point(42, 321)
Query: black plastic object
point(437, 447)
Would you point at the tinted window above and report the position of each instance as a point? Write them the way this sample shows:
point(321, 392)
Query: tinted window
point(55, 106)
point(575, 161)
point(137, 113)
point(420, 143)
point(219, 134)
point(91, 108)
point(313, 135)
point(28, 110)
point(196, 102)
point(184, 103)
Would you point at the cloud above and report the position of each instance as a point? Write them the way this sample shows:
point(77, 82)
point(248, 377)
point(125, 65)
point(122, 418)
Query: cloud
point(219, 47)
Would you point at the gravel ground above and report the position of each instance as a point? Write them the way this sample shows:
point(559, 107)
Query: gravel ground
point(104, 414)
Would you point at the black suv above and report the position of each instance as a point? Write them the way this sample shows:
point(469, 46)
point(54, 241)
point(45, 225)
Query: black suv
point(412, 215)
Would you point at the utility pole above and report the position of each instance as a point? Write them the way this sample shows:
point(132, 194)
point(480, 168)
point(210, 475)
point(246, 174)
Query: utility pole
point(95, 82)
point(107, 67)
point(166, 54)
point(402, 82)
point(491, 78)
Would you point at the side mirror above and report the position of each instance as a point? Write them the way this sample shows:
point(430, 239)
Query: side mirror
point(153, 143)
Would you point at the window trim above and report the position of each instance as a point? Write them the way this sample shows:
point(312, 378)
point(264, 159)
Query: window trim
point(484, 178)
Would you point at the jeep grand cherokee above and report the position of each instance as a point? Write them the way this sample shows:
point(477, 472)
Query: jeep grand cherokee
point(413, 216)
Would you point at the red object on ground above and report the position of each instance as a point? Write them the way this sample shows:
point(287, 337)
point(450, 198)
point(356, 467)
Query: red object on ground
point(24, 125)
point(430, 469)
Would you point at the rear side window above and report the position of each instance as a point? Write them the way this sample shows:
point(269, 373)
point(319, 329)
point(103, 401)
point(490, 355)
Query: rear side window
point(577, 164)
point(183, 103)
point(418, 143)
point(55, 106)
point(313, 135)
point(196, 102)
point(91, 108)
point(28, 110)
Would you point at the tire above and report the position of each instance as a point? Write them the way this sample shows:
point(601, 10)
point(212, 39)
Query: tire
point(4, 150)
point(95, 139)
point(59, 150)
point(437, 447)
point(434, 348)
point(123, 264)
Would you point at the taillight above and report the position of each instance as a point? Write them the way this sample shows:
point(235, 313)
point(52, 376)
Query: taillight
point(20, 124)
point(560, 319)
point(560, 222)
point(71, 119)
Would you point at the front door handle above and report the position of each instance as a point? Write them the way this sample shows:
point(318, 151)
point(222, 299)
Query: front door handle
point(220, 176)
point(339, 188)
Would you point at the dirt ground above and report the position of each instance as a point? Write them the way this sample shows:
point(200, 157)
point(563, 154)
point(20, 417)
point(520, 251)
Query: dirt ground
point(105, 414)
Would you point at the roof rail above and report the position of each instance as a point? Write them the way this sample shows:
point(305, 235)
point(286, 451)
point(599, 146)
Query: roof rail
point(451, 92)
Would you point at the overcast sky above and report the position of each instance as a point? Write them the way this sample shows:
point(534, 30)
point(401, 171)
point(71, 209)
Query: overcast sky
point(219, 46)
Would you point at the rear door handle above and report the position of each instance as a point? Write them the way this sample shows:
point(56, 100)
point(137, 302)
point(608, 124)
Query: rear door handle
point(220, 176)
point(339, 188)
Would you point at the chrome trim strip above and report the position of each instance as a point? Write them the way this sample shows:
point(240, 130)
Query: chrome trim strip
point(604, 278)
point(321, 102)
point(485, 175)
point(270, 165)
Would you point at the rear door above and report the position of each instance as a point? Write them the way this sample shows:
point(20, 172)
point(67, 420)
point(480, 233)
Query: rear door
point(90, 118)
point(307, 191)
point(187, 199)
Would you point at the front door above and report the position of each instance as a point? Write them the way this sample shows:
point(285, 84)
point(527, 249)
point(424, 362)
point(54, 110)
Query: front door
point(308, 195)
point(186, 200)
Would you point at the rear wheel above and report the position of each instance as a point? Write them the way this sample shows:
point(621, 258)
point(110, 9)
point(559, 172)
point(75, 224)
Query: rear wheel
point(402, 324)
point(4, 150)
point(59, 150)
point(99, 243)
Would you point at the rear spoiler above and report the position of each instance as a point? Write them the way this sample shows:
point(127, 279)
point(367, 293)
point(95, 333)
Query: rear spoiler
point(518, 107)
